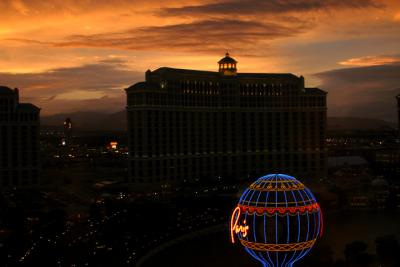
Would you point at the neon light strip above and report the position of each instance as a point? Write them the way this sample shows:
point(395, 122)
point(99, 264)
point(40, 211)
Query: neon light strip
point(287, 222)
point(278, 247)
point(276, 219)
point(278, 186)
point(254, 255)
point(254, 221)
point(298, 233)
point(321, 223)
point(308, 217)
point(311, 201)
point(277, 259)
point(272, 181)
point(280, 210)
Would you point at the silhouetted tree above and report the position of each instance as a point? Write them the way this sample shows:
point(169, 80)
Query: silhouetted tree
point(387, 250)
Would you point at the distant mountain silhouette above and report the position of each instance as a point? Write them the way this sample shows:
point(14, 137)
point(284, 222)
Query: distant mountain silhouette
point(88, 121)
point(351, 123)
point(97, 121)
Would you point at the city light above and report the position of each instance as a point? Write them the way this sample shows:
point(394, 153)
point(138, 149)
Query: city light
point(114, 145)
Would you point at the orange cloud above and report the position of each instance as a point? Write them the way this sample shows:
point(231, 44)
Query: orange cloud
point(370, 61)
point(20, 7)
point(240, 8)
point(397, 16)
point(205, 36)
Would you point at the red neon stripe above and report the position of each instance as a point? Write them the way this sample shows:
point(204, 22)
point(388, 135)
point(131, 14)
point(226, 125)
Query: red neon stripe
point(280, 210)
point(321, 219)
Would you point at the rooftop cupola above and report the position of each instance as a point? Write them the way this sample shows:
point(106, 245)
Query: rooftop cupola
point(227, 66)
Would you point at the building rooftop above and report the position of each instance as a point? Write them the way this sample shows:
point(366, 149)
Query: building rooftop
point(227, 60)
point(315, 91)
point(6, 90)
point(214, 74)
point(27, 107)
point(144, 85)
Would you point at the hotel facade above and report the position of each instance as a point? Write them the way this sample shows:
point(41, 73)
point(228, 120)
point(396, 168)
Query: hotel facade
point(190, 125)
point(19, 140)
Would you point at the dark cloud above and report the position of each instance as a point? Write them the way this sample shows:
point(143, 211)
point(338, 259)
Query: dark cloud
point(274, 7)
point(106, 104)
point(198, 36)
point(76, 7)
point(235, 25)
point(46, 89)
point(362, 92)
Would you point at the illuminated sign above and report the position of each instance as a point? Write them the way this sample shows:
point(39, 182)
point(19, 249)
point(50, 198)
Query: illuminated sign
point(284, 217)
point(235, 227)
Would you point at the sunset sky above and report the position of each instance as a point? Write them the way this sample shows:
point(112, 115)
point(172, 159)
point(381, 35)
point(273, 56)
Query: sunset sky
point(78, 55)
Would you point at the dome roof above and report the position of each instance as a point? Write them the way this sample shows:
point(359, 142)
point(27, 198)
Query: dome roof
point(227, 59)
point(285, 189)
point(277, 177)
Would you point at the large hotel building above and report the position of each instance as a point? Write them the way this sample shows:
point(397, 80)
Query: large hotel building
point(194, 125)
point(19, 140)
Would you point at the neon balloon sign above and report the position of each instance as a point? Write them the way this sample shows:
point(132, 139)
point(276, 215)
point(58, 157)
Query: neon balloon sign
point(277, 220)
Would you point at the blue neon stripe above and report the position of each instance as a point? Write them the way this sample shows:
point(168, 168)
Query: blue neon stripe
point(265, 217)
point(311, 194)
point(267, 262)
point(270, 259)
point(298, 218)
point(258, 198)
point(266, 199)
point(243, 195)
point(254, 255)
point(265, 227)
point(254, 227)
point(294, 198)
point(250, 198)
point(291, 259)
point(284, 259)
point(277, 259)
point(287, 221)
point(276, 228)
point(308, 219)
point(276, 218)
point(254, 218)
